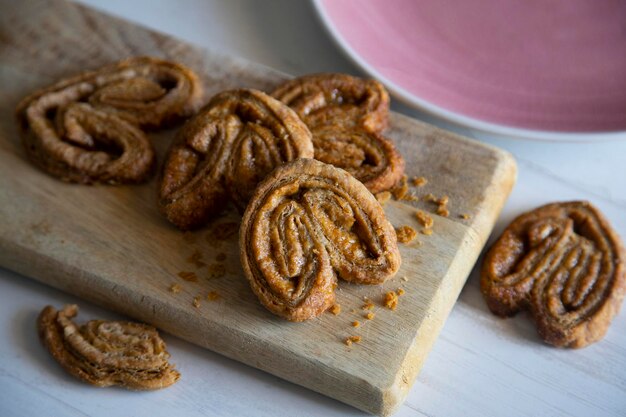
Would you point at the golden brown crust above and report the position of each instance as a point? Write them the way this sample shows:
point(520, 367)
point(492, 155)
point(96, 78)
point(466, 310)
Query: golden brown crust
point(224, 151)
point(307, 223)
point(346, 116)
point(105, 353)
point(565, 264)
point(87, 128)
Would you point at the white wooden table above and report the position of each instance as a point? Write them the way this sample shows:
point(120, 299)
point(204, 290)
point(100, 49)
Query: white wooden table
point(480, 365)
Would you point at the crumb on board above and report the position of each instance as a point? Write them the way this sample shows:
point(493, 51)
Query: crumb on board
point(174, 288)
point(430, 197)
point(196, 302)
point(401, 189)
point(419, 181)
point(196, 259)
point(405, 278)
point(383, 197)
point(213, 295)
point(370, 316)
point(424, 218)
point(405, 234)
point(188, 276)
point(368, 305)
point(411, 197)
point(443, 200)
point(464, 216)
point(352, 339)
point(335, 309)
point(391, 300)
point(443, 211)
point(216, 270)
point(427, 232)
point(400, 291)
point(356, 323)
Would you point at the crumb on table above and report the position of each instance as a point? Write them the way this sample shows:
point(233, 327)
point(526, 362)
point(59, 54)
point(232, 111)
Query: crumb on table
point(368, 305)
point(196, 259)
point(405, 234)
point(400, 190)
point(400, 291)
point(370, 316)
point(356, 323)
point(464, 216)
point(443, 211)
point(424, 218)
point(213, 295)
point(188, 276)
point(352, 339)
point(175, 288)
point(427, 232)
point(335, 309)
point(391, 300)
point(216, 270)
point(196, 302)
point(419, 181)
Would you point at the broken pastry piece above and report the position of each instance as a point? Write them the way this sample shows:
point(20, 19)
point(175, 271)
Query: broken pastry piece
point(307, 224)
point(564, 263)
point(88, 128)
point(346, 116)
point(224, 151)
point(105, 353)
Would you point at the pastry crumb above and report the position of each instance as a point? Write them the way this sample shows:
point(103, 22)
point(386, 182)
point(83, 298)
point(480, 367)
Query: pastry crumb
point(196, 302)
point(405, 234)
point(216, 270)
point(427, 232)
point(443, 211)
point(404, 278)
point(335, 309)
point(175, 288)
point(213, 295)
point(352, 339)
point(464, 216)
point(188, 276)
point(430, 198)
point(356, 323)
point(424, 218)
point(368, 305)
point(419, 181)
point(411, 197)
point(400, 291)
point(383, 197)
point(370, 316)
point(400, 190)
point(196, 259)
point(443, 200)
point(391, 300)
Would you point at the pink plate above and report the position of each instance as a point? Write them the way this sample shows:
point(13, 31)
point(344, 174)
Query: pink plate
point(547, 69)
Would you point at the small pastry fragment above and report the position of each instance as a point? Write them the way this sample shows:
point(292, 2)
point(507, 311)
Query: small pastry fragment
point(307, 224)
point(346, 116)
point(89, 128)
point(564, 264)
point(106, 353)
point(224, 151)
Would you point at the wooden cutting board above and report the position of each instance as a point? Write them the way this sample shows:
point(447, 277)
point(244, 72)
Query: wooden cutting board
point(109, 245)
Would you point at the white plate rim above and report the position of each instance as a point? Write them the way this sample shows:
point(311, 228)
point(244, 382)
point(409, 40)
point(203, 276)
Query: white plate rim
point(451, 116)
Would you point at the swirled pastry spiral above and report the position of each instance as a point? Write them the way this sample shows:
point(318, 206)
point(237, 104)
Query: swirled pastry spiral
point(565, 264)
point(346, 116)
point(224, 151)
point(307, 223)
point(105, 353)
point(87, 128)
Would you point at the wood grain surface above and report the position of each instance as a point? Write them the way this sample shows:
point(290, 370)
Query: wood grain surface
point(109, 244)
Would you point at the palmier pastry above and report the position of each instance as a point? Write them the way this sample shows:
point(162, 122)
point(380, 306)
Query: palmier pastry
point(346, 116)
point(105, 353)
point(87, 128)
point(565, 264)
point(224, 151)
point(307, 223)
